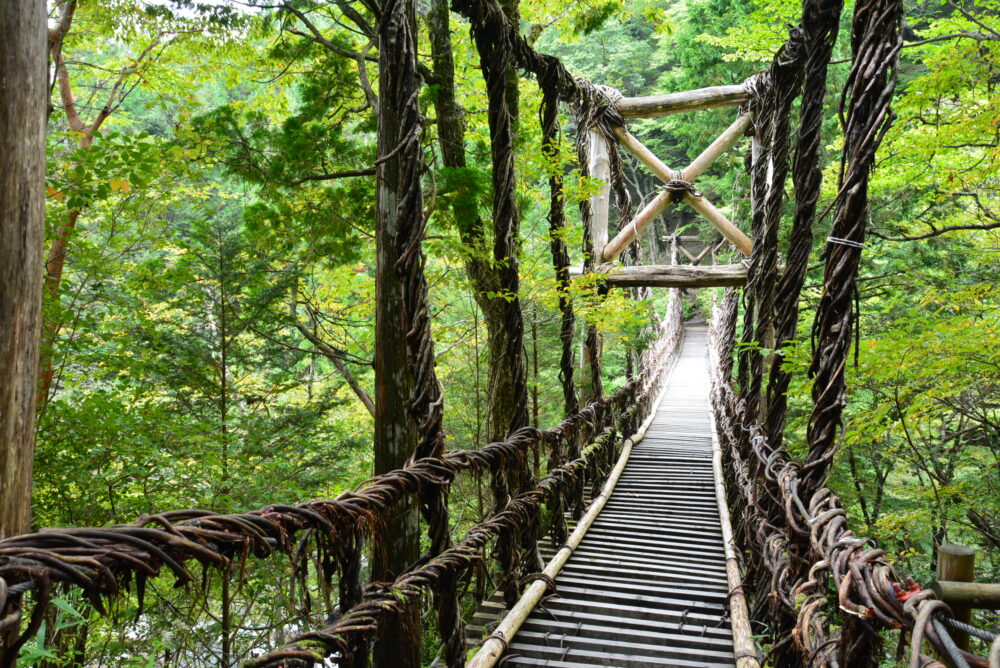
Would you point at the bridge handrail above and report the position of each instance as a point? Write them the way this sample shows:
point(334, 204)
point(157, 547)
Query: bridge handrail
point(95, 559)
point(100, 560)
point(868, 587)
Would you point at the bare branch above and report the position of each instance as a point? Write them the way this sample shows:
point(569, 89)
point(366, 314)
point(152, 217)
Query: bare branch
point(937, 231)
point(318, 37)
point(974, 19)
point(347, 173)
point(334, 355)
point(968, 34)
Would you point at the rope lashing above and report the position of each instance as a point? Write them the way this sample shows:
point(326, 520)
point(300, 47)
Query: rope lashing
point(613, 95)
point(844, 242)
point(677, 186)
point(550, 584)
point(498, 636)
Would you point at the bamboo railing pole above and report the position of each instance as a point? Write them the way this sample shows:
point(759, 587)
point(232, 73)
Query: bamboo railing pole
point(744, 646)
point(491, 651)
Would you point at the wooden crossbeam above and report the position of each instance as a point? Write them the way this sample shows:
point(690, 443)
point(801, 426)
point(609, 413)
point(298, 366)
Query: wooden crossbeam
point(672, 276)
point(689, 100)
point(684, 238)
point(658, 204)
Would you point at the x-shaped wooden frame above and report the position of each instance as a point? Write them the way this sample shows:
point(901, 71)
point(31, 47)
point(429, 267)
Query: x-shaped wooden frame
point(711, 246)
point(656, 206)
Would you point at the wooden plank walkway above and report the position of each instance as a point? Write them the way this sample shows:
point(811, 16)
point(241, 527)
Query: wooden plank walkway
point(647, 586)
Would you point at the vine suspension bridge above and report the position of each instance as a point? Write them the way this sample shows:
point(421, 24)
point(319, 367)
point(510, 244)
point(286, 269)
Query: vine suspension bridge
point(676, 527)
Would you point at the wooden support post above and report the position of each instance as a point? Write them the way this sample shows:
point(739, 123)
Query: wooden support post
point(957, 563)
point(599, 167)
point(689, 100)
point(658, 204)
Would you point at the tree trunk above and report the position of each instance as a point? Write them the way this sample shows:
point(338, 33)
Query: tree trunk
point(23, 76)
point(484, 275)
point(399, 223)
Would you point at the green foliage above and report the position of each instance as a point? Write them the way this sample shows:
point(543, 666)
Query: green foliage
point(220, 255)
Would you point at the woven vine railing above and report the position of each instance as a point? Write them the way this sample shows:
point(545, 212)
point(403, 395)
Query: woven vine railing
point(868, 594)
point(443, 576)
point(102, 562)
point(820, 595)
point(791, 526)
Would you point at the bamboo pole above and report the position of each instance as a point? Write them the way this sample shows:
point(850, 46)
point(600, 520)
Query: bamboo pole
point(491, 651)
point(689, 100)
point(744, 646)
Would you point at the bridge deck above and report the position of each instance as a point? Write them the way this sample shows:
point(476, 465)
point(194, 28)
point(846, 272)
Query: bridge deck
point(647, 586)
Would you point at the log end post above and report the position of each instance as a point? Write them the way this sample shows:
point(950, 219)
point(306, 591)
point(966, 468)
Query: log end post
point(957, 563)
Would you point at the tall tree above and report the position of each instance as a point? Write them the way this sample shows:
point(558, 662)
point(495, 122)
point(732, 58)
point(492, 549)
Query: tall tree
point(154, 33)
point(23, 76)
point(490, 272)
point(408, 403)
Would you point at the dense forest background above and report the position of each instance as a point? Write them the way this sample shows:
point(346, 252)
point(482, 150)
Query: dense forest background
point(208, 307)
